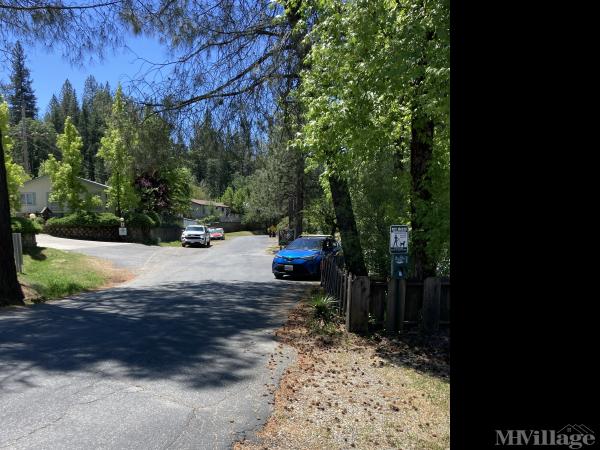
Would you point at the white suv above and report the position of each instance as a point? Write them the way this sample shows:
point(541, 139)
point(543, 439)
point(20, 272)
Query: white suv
point(195, 235)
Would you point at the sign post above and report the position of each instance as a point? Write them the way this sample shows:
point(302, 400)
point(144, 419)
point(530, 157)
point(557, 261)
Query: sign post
point(122, 229)
point(397, 284)
point(399, 250)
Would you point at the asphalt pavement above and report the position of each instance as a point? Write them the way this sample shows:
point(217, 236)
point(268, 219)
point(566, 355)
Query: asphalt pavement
point(177, 358)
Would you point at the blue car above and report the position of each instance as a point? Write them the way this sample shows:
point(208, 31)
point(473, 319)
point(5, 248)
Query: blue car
point(302, 257)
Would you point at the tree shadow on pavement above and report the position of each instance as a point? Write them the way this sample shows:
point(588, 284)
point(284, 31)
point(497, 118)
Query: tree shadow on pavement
point(201, 335)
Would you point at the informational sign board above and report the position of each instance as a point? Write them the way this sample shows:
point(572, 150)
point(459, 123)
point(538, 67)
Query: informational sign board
point(399, 239)
point(122, 231)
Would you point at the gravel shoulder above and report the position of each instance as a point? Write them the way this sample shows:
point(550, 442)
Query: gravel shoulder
point(346, 391)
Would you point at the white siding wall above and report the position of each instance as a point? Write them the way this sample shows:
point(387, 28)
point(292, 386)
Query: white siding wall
point(42, 186)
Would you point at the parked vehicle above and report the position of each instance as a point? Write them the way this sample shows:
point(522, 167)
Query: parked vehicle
point(302, 257)
point(195, 235)
point(217, 233)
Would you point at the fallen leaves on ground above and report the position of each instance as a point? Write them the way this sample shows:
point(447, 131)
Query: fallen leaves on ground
point(346, 391)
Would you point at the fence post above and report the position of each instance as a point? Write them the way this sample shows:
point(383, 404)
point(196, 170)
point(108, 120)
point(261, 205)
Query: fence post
point(18, 251)
point(391, 313)
point(357, 313)
point(432, 290)
point(396, 305)
point(377, 303)
point(349, 282)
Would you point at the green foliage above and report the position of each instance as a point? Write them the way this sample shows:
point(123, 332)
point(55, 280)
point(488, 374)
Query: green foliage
point(37, 138)
point(373, 67)
point(155, 218)
point(227, 197)
point(85, 219)
point(15, 174)
point(21, 96)
point(208, 220)
point(55, 273)
point(137, 219)
point(198, 192)
point(95, 112)
point(179, 180)
point(114, 151)
point(323, 308)
point(65, 174)
point(236, 198)
point(25, 226)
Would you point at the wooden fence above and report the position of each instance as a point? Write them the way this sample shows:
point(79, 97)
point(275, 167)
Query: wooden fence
point(391, 305)
point(18, 251)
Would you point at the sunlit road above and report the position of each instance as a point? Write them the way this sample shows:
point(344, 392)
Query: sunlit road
point(176, 358)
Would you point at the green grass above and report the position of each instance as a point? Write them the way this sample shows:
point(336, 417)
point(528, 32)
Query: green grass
point(235, 234)
point(170, 244)
point(55, 273)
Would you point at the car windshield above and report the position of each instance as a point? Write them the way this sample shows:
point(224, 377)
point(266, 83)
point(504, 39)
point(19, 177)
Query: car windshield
point(306, 244)
point(220, 230)
point(211, 230)
point(194, 228)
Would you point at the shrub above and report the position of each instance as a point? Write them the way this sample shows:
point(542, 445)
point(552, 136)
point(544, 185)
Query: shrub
point(24, 226)
point(141, 220)
point(85, 219)
point(156, 218)
point(323, 308)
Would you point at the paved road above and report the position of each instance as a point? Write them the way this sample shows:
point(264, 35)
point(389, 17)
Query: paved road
point(123, 254)
point(176, 358)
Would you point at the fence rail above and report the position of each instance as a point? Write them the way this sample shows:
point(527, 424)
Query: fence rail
point(18, 251)
point(370, 303)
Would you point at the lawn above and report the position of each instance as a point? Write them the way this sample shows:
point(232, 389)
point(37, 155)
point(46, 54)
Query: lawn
point(50, 273)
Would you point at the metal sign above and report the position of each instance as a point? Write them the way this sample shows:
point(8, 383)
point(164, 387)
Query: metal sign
point(399, 239)
point(122, 231)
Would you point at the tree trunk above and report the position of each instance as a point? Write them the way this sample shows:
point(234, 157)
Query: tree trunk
point(344, 213)
point(10, 289)
point(421, 150)
point(294, 16)
point(299, 205)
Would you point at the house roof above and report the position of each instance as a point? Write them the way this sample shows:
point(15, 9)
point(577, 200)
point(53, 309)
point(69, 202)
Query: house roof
point(82, 179)
point(208, 203)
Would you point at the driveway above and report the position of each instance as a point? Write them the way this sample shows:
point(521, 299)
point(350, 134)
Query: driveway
point(183, 356)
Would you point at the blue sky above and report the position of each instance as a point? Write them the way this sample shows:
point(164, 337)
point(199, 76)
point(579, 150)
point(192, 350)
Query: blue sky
point(49, 70)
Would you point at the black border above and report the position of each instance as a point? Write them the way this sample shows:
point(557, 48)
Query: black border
point(524, 317)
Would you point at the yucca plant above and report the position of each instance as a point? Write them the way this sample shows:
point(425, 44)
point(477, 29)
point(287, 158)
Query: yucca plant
point(323, 307)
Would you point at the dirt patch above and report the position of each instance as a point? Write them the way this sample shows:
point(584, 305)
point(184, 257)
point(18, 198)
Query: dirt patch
point(30, 294)
point(115, 275)
point(347, 391)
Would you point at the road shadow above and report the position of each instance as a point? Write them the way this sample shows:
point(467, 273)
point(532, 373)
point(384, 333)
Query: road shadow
point(199, 334)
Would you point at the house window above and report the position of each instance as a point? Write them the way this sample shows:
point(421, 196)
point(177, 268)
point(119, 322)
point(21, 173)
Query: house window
point(28, 199)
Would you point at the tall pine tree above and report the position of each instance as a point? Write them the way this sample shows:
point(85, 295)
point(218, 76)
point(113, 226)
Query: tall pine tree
point(21, 99)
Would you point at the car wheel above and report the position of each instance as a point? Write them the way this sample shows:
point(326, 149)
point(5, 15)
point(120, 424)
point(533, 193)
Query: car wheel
point(183, 244)
point(278, 276)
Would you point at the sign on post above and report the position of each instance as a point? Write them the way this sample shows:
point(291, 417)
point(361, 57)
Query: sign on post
point(122, 231)
point(399, 250)
point(399, 239)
